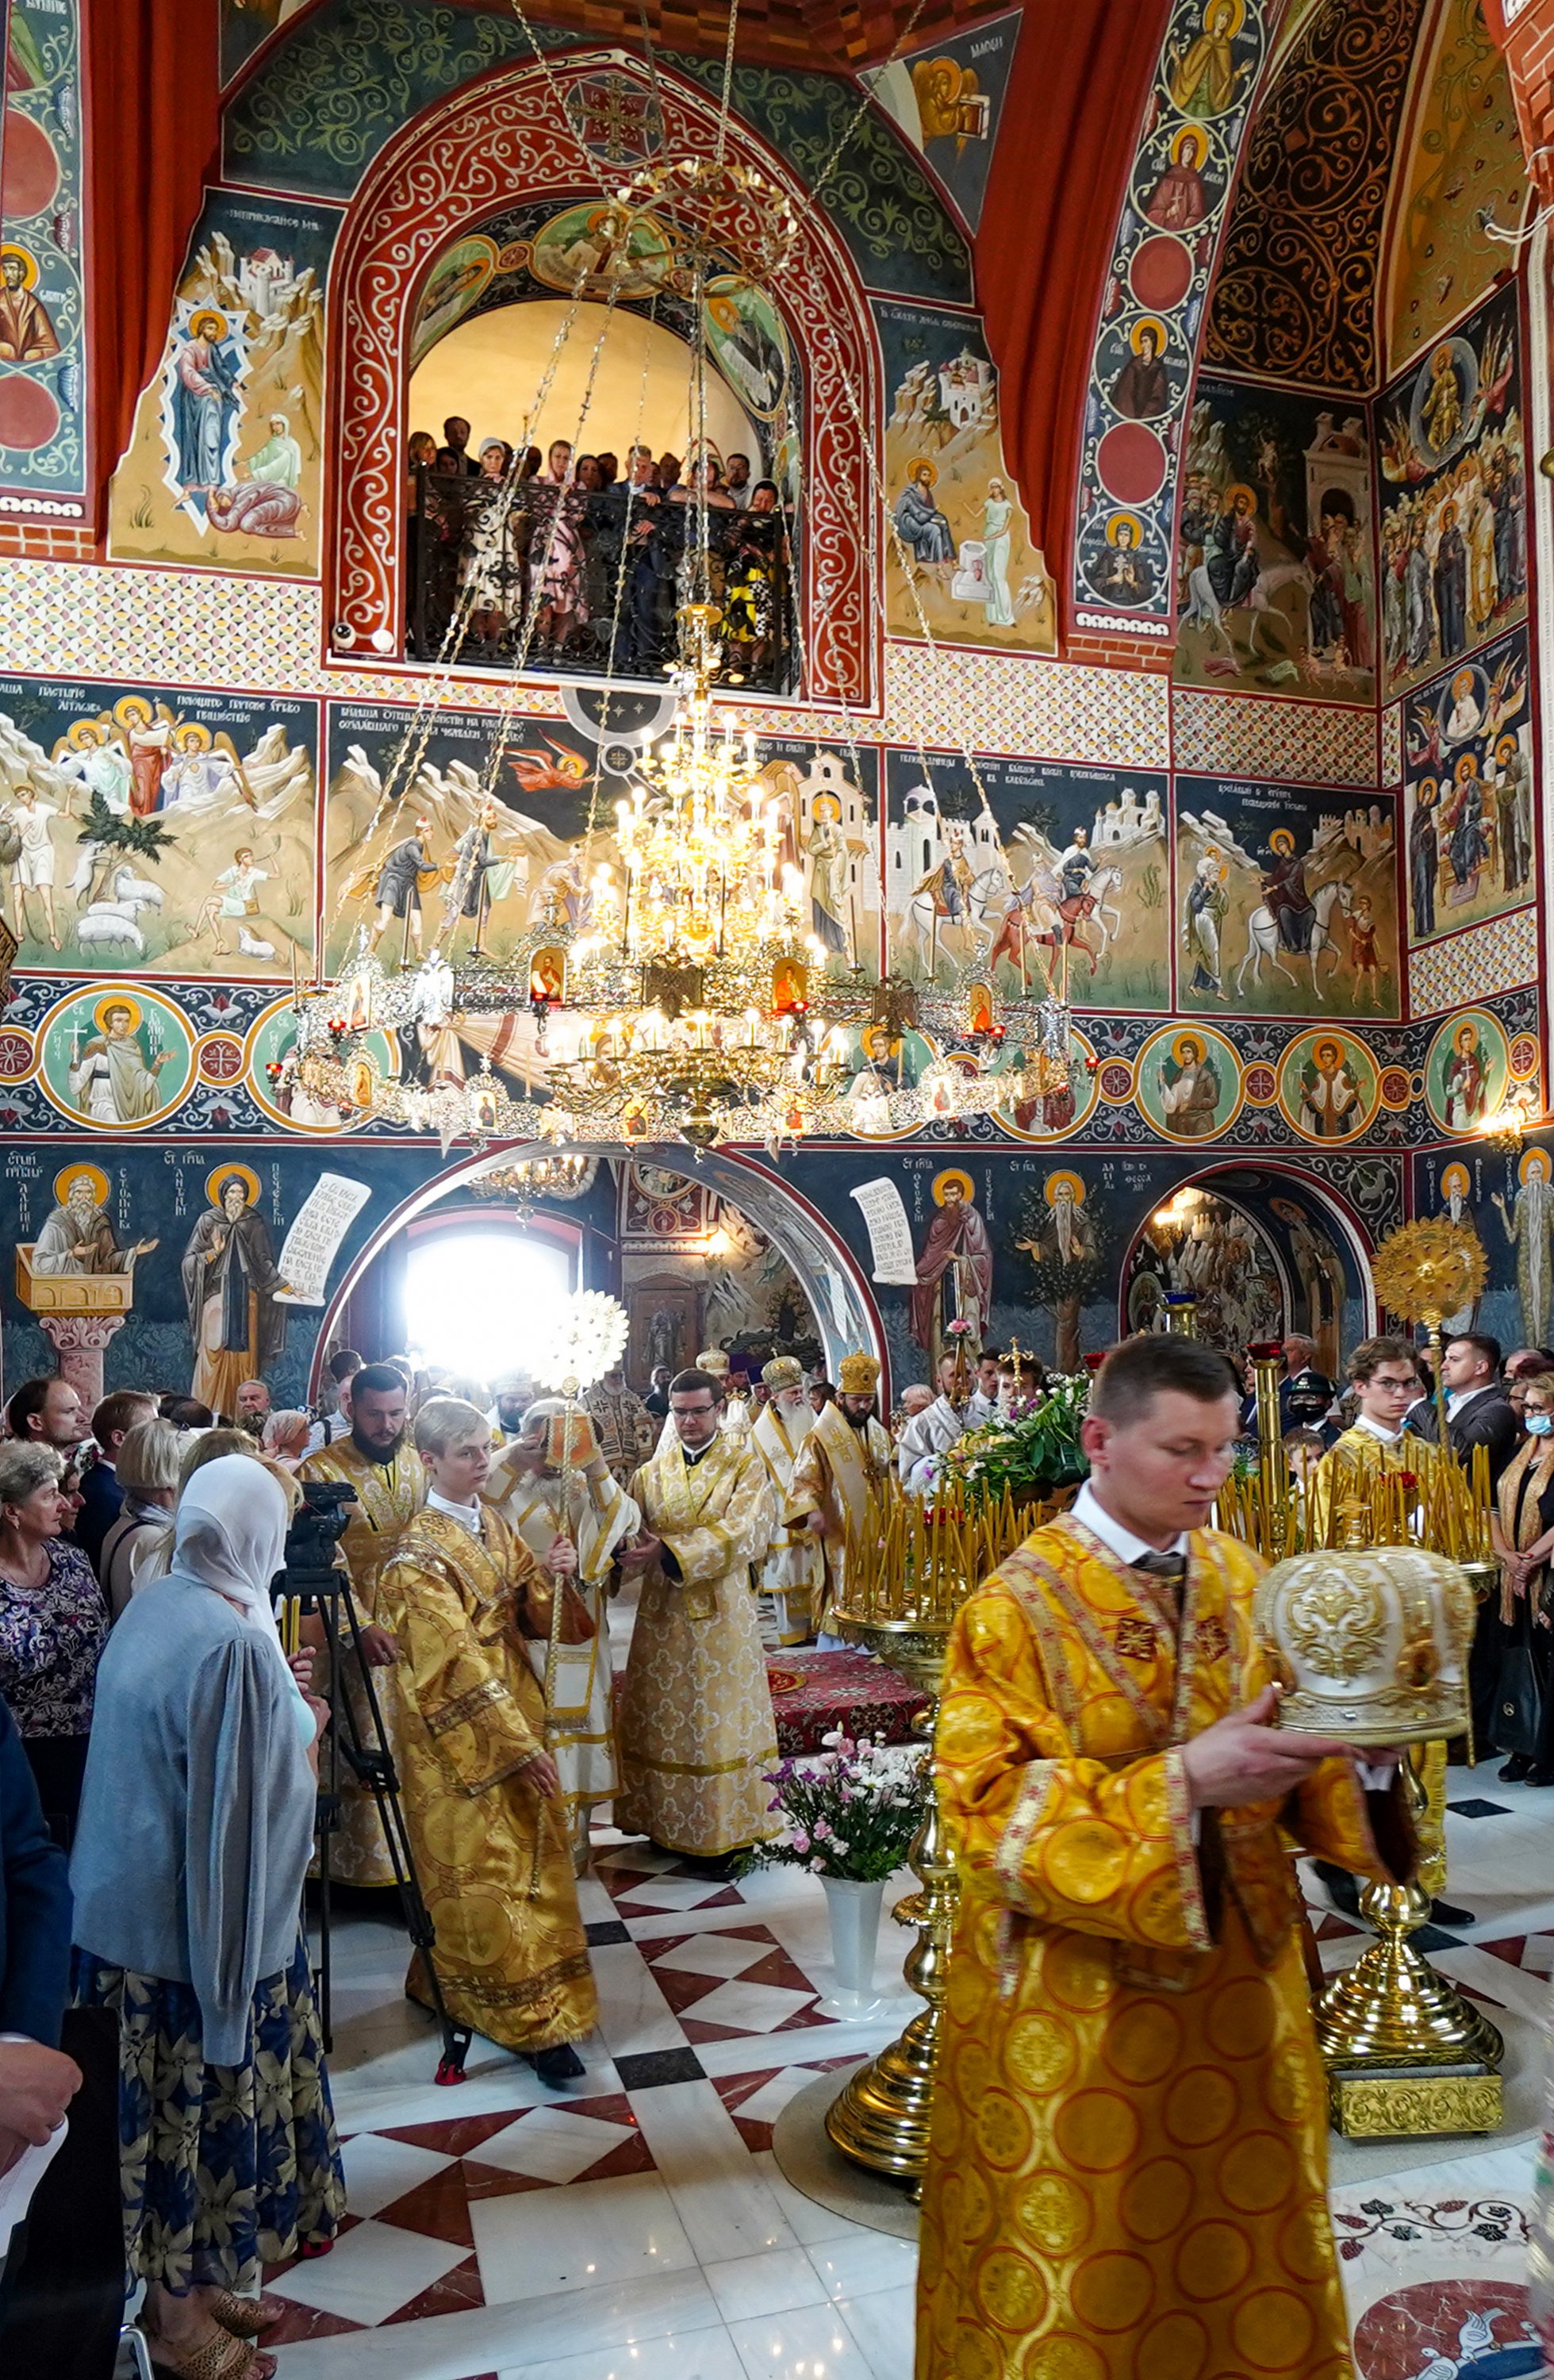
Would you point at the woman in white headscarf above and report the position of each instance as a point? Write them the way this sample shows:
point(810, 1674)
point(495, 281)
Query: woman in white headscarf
point(196, 1825)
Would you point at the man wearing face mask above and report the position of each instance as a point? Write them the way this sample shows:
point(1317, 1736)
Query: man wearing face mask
point(389, 1480)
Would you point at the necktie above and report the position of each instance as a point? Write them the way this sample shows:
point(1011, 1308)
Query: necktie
point(1170, 1568)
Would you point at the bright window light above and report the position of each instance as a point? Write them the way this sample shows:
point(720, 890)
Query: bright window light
point(477, 1301)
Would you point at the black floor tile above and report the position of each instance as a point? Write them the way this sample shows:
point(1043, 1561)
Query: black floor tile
point(653, 2067)
point(1435, 1938)
point(606, 1929)
point(1479, 1809)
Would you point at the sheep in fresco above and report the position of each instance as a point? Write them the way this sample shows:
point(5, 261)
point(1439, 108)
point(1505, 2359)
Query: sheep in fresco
point(107, 928)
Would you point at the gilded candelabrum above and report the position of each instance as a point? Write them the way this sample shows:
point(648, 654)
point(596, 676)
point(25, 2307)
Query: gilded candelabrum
point(909, 1570)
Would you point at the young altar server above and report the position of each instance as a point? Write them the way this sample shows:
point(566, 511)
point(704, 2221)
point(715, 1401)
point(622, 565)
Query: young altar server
point(1128, 2162)
point(794, 1572)
point(464, 1598)
point(844, 1461)
point(526, 1488)
point(697, 1733)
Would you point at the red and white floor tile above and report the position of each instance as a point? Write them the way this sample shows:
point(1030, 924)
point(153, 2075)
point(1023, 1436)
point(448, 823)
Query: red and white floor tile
point(635, 2227)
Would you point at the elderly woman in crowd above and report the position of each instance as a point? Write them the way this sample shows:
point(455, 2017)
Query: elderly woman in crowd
point(286, 1437)
point(1523, 1527)
point(51, 1627)
point(199, 1787)
point(147, 1473)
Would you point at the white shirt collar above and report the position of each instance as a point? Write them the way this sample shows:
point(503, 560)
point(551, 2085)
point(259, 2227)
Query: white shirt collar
point(1088, 1509)
point(1457, 1398)
point(466, 1516)
point(1374, 1429)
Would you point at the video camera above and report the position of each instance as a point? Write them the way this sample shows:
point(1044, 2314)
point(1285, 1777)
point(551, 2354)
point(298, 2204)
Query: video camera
point(319, 1524)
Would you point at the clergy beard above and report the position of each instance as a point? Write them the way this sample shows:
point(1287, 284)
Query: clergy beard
point(858, 1421)
point(370, 1451)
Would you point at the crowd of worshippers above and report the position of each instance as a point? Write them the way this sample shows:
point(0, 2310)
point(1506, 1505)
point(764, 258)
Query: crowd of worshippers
point(162, 1737)
point(591, 557)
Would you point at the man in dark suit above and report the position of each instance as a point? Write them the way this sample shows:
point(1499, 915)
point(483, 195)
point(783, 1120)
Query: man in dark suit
point(102, 1497)
point(1479, 1412)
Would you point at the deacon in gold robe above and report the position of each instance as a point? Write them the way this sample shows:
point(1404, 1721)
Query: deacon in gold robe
point(792, 1575)
point(842, 1462)
point(622, 1424)
point(1127, 2169)
point(698, 1737)
point(379, 1463)
point(526, 1487)
point(1385, 1378)
point(482, 1795)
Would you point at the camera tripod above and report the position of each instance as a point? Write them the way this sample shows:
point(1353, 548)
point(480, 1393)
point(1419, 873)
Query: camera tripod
point(364, 1750)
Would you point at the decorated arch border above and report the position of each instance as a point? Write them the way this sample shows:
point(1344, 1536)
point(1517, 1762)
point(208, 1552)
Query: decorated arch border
point(506, 137)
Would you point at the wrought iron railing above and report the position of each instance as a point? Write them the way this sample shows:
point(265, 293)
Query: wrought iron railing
point(596, 592)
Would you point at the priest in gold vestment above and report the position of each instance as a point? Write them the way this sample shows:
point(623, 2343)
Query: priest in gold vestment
point(794, 1572)
point(378, 1460)
point(698, 1738)
point(845, 1460)
point(526, 1487)
point(1128, 2164)
point(482, 1795)
point(1385, 1378)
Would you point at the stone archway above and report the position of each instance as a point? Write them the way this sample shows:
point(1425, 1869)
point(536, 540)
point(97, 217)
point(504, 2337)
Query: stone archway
point(507, 138)
point(845, 1312)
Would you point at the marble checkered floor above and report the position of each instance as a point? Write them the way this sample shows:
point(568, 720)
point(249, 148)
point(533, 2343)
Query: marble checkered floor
point(635, 2227)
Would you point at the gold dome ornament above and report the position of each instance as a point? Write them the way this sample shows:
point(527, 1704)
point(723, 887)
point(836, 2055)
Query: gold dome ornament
point(1369, 1643)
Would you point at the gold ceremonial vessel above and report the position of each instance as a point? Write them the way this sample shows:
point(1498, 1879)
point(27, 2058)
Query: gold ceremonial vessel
point(1366, 1618)
point(909, 1570)
point(1369, 1643)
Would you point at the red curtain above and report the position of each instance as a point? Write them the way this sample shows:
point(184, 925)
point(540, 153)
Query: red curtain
point(152, 128)
point(1071, 118)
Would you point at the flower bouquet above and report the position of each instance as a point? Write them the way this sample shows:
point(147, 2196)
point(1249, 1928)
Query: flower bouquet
point(1031, 1453)
point(850, 1816)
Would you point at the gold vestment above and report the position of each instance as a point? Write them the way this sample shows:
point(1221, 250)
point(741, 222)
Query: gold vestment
point(794, 1572)
point(697, 1733)
point(838, 1469)
point(1127, 2175)
point(582, 1728)
point(388, 1498)
point(471, 1712)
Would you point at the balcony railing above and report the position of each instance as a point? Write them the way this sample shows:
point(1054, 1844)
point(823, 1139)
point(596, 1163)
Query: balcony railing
point(594, 593)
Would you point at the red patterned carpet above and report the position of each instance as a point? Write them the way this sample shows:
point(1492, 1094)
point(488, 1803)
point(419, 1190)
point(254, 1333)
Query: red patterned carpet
point(813, 1692)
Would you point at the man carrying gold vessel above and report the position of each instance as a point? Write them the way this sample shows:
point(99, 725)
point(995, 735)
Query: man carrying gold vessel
point(793, 1575)
point(539, 1486)
point(697, 1731)
point(844, 1461)
point(1127, 2170)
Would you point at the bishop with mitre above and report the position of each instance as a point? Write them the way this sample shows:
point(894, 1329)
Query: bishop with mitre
point(843, 1464)
point(792, 1575)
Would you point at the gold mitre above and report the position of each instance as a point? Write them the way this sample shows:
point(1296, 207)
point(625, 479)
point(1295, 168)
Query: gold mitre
point(713, 1360)
point(1369, 1642)
point(783, 1372)
point(859, 1375)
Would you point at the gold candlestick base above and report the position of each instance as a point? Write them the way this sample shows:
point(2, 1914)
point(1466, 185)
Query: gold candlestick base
point(1405, 2053)
point(881, 2120)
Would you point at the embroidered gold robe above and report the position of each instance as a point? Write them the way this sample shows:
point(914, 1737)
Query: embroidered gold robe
point(388, 1498)
point(623, 1426)
point(1127, 2171)
point(582, 1730)
point(794, 1572)
point(493, 1854)
point(837, 1469)
point(698, 1737)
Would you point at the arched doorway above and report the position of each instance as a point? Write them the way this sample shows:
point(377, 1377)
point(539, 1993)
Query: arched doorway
point(1265, 1251)
point(370, 1302)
